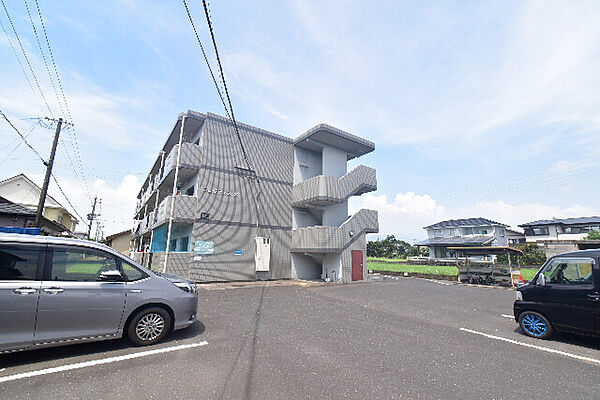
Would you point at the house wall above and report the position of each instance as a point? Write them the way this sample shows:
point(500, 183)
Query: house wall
point(121, 243)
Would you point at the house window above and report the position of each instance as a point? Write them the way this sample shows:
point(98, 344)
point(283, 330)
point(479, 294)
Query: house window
point(190, 191)
point(438, 233)
point(59, 219)
point(502, 232)
point(467, 231)
point(539, 231)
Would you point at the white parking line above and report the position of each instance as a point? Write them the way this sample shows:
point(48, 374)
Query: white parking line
point(92, 363)
point(533, 346)
point(507, 316)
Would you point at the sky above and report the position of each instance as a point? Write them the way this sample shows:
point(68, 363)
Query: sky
point(477, 109)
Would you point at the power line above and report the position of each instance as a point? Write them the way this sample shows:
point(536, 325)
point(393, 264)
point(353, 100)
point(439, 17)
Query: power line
point(22, 137)
point(18, 144)
point(37, 38)
point(77, 154)
point(66, 198)
point(206, 58)
point(26, 58)
point(212, 35)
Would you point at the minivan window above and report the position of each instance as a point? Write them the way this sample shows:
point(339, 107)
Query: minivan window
point(131, 272)
point(18, 263)
point(569, 271)
point(81, 265)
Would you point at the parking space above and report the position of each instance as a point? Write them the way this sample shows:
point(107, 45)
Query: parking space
point(393, 338)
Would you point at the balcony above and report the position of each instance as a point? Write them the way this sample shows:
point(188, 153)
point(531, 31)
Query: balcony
point(191, 157)
point(185, 209)
point(331, 239)
point(326, 190)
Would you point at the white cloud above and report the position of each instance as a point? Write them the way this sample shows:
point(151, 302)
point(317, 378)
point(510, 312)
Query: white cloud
point(116, 204)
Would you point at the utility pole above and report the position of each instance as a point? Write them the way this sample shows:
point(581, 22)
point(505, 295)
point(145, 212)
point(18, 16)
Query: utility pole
point(40, 208)
point(91, 217)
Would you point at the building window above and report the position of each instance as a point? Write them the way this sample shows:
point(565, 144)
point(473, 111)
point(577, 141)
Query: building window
point(537, 231)
point(190, 191)
point(183, 243)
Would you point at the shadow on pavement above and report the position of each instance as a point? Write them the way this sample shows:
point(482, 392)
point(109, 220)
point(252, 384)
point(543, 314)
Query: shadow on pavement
point(590, 342)
point(21, 358)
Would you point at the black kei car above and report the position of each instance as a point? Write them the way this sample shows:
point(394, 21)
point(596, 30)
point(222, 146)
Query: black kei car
point(564, 295)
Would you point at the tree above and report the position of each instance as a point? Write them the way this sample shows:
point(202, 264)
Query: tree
point(592, 235)
point(532, 255)
point(390, 247)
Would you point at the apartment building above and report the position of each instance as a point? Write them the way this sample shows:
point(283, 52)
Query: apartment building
point(217, 206)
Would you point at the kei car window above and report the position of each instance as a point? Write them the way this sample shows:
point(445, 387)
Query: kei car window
point(81, 265)
point(569, 271)
point(131, 272)
point(18, 263)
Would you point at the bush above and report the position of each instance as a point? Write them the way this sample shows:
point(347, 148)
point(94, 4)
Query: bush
point(532, 255)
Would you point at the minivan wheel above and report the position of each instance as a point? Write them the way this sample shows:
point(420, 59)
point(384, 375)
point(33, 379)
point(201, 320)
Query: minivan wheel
point(149, 326)
point(535, 325)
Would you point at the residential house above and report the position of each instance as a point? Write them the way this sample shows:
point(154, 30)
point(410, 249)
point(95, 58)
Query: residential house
point(20, 219)
point(515, 237)
point(21, 190)
point(467, 232)
point(560, 235)
point(120, 241)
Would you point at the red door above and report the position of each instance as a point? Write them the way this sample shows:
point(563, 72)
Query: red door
point(357, 265)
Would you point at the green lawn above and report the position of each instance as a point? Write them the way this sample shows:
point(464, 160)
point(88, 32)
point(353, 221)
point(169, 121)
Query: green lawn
point(411, 268)
point(527, 273)
point(369, 259)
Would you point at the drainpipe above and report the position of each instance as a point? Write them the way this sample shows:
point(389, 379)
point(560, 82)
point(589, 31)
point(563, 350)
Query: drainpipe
point(174, 194)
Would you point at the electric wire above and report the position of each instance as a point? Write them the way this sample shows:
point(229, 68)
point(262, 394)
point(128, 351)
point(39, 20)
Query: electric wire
point(77, 154)
point(18, 144)
point(26, 58)
point(66, 198)
point(187, 10)
point(39, 43)
point(212, 35)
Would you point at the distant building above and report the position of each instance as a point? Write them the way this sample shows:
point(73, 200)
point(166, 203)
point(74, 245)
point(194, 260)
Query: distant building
point(21, 190)
point(15, 217)
point(556, 236)
point(515, 237)
point(468, 232)
point(560, 229)
point(120, 241)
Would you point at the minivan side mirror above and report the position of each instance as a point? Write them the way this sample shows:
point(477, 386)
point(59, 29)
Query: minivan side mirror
point(111, 276)
point(541, 280)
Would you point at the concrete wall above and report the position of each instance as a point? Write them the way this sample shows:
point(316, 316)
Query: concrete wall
point(307, 164)
point(305, 267)
point(334, 162)
point(229, 197)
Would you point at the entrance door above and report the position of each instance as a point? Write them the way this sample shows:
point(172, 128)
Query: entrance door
point(357, 265)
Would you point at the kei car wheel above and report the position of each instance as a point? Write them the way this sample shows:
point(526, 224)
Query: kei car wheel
point(535, 325)
point(149, 326)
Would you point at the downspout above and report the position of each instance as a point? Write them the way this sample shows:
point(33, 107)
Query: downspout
point(174, 194)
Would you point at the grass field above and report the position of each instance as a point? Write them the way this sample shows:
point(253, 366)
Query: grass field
point(378, 264)
point(411, 268)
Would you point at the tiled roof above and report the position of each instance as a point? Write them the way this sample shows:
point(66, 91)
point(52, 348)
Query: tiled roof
point(564, 221)
point(15, 209)
point(457, 241)
point(465, 222)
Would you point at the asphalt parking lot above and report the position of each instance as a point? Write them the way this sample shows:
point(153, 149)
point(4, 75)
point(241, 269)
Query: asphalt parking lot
point(392, 338)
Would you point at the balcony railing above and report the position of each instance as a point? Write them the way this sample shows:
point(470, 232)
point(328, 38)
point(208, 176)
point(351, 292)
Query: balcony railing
point(325, 190)
point(331, 239)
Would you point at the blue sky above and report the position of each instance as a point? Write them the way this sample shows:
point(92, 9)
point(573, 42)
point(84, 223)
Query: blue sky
point(483, 108)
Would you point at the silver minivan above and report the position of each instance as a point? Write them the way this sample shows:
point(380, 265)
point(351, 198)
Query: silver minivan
point(56, 291)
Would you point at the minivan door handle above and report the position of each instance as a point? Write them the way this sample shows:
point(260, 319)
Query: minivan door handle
point(24, 290)
point(594, 297)
point(54, 290)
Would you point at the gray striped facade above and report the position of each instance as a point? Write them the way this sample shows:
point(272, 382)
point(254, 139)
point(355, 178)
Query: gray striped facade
point(231, 206)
